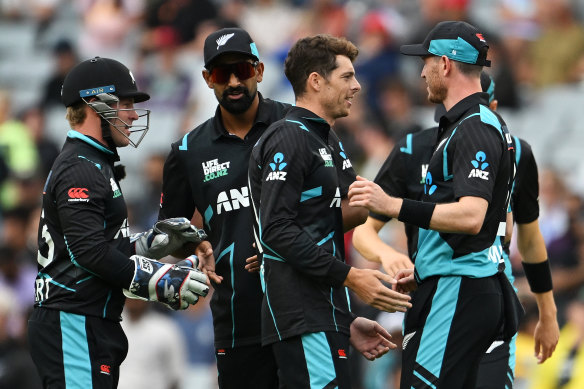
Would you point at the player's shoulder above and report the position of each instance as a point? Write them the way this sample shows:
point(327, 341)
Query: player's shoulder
point(200, 135)
point(274, 108)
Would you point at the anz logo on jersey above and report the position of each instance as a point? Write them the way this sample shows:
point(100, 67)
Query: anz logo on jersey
point(232, 200)
point(277, 166)
point(346, 161)
point(479, 166)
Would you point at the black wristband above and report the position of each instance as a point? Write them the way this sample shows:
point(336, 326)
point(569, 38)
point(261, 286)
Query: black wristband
point(539, 276)
point(417, 213)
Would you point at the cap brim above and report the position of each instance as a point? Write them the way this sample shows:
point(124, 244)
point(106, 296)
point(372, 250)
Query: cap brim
point(417, 50)
point(139, 97)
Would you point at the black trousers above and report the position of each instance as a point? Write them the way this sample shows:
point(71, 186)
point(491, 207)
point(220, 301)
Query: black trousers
point(74, 351)
point(452, 323)
point(247, 367)
point(314, 360)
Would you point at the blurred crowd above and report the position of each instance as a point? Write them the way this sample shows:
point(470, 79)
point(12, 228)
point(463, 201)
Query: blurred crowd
point(537, 51)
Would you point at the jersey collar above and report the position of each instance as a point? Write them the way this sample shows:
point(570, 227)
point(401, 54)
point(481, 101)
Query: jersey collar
point(89, 140)
point(455, 113)
point(262, 116)
point(317, 124)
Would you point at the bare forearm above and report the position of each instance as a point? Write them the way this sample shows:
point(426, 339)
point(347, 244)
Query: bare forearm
point(367, 241)
point(546, 306)
point(530, 243)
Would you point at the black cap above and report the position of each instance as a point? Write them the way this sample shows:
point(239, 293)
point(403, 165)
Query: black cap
point(100, 75)
point(458, 41)
point(229, 40)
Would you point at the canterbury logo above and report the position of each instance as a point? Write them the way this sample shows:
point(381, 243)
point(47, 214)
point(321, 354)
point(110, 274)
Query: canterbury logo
point(223, 39)
point(105, 369)
point(78, 193)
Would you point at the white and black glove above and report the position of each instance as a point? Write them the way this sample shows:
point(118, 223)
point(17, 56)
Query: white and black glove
point(166, 237)
point(176, 286)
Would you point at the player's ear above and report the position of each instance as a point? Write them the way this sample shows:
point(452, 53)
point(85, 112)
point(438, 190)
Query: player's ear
point(314, 82)
point(207, 76)
point(494, 104)
point(260, 71)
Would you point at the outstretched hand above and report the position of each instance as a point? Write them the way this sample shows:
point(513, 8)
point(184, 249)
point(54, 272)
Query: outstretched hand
point(370, 338)
point(207, 261)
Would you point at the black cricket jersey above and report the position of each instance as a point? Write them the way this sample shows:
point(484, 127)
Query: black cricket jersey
point(525, 194)
point(296, 195)
point(473, 157)
point(84, 249)
point(403, 175)
point(207, 170)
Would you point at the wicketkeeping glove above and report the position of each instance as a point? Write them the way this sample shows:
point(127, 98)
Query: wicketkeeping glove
point(174, 286)
point(166, 237)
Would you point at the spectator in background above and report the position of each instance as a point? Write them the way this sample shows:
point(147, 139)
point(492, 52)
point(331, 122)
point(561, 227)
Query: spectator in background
point(396, 108)
point(64, 57)
point(555, 53)
point(180, 18)
point(17, 370)
point(156, 356)
point(18, 150)
point(34, 119)
point(378, 57)
point(107, 24)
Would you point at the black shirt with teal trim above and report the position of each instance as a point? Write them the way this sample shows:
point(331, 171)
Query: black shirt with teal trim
point(295, 191)
point(207, 170)
point(403, 175)
point(84, 249)
point(525, 194)
point(472, 157)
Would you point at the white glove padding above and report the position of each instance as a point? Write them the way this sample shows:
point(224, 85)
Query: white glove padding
point(166, 237)
point(174, 286)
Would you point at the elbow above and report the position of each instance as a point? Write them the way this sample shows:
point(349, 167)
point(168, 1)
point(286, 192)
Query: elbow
point(473, 226)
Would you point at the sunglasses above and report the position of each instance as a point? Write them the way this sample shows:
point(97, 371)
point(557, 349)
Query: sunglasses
point(221, 74)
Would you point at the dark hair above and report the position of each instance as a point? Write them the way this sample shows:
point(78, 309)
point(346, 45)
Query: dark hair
point(315, 54)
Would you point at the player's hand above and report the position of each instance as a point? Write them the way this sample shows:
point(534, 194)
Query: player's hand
point(395, 262)
point(370, 338)
point(368, 285)
point(166, 237)
point(546, 336)
point(177, 287)
point(365, 193)
point(252, 264)
point(405, 281)
point(207, 261)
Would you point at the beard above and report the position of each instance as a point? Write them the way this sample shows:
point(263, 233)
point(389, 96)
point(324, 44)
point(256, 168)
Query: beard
point(437, 91)
point(237, 106)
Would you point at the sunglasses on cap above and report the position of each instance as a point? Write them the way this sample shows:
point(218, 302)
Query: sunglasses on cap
point(220, 74)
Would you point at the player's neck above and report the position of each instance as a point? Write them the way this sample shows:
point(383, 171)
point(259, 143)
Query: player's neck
point(460, 89)
point(240, 124)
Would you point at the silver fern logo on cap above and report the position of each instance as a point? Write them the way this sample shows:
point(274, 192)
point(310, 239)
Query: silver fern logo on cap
point(223, 39)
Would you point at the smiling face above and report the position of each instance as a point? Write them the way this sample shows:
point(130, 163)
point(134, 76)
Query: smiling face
point(228, 77)
point(339, 89)
point(436, 88)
